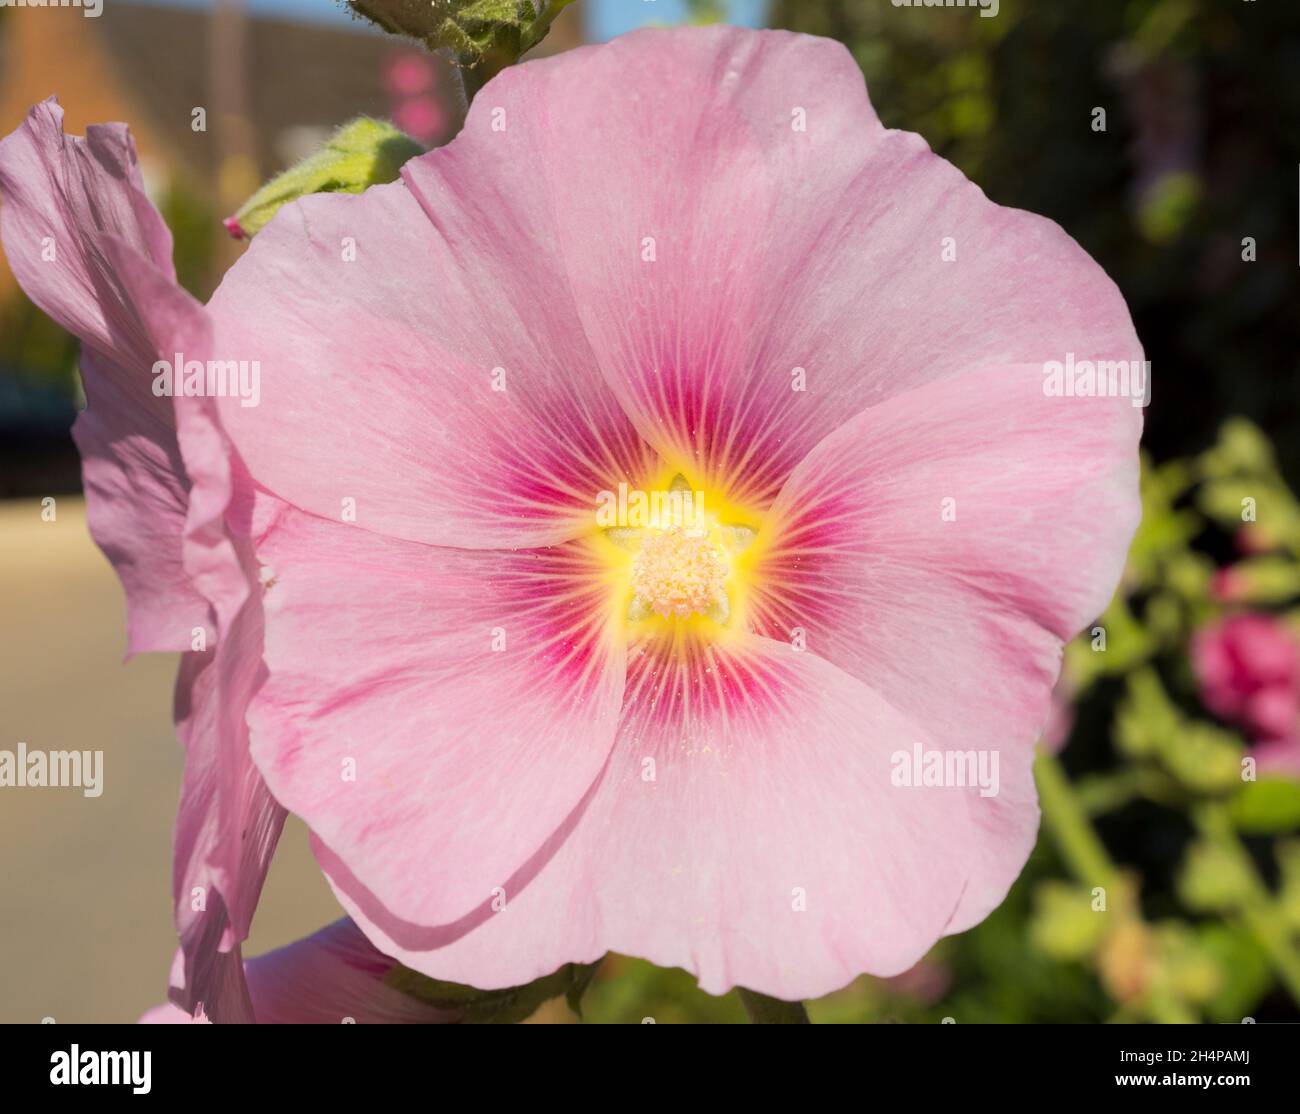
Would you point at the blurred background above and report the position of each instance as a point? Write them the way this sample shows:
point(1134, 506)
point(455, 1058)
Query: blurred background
point(1166, 885)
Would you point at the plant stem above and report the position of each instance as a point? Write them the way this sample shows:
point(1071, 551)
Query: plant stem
point(1069, 825)
point(474, 74)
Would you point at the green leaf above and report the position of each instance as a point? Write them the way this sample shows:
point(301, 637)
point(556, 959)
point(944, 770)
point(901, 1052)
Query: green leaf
point(578, 984)
point(1245, 966)
point(1267, 806)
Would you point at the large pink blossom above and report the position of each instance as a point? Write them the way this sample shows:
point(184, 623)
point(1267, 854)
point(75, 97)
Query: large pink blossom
point(519, 739)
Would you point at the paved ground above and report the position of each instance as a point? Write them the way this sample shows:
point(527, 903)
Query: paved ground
point(85, 891)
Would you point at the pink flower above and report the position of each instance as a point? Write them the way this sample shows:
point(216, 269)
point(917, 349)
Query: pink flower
point(407, 74)
point(411, 79)
point(1248, 667)
point(421, 118)
point(689, 257)
point(87, 246)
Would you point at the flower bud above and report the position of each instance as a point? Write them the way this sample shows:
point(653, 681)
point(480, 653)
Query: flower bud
point(361, 154)
point(471, 29)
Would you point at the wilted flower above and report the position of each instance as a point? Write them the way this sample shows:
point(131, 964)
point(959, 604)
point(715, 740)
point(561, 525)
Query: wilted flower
point(688, 260)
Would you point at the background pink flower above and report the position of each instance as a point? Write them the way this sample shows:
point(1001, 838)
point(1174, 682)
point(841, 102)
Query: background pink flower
point(1248, 668)
point(411, 79)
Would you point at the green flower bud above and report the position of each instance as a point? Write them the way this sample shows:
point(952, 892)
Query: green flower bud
point(1146, 716)
point(496, 31)
point(361, 154)
point(1186, 970)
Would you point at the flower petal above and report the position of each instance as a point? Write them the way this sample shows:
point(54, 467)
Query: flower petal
point(957, 611)
point(746, 828)
point(228, 824)
point(432, 714)
point(438, 381)
point(332, 977)
point(66, 200)
point(798, 269)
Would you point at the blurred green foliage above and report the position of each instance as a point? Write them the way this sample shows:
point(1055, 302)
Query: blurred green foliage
point(1201, 150)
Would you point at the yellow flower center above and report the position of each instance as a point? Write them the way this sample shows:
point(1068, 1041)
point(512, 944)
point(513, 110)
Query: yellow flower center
point(677, 556)
point(679, 572)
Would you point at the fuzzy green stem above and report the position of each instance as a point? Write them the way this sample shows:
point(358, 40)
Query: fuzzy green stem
point(474, 74)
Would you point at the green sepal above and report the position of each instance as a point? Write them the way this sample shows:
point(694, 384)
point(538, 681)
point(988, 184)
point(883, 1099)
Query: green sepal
point(495, 1007)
